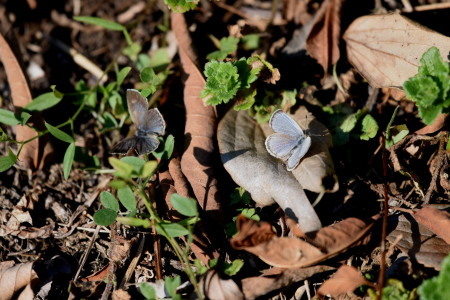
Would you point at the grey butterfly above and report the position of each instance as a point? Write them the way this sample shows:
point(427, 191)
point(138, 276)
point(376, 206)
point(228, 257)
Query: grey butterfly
point(289, 143)
point(149, 124)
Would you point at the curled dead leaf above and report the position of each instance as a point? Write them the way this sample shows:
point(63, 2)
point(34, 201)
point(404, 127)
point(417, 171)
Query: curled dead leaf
point(254, 287)
point(197, 159)
point(417, 241)
point(35, 153)
point(323, 40)
point(286, 252)
point(436, 220)
point(17, 280)
point(386, 49)
point(346, 279)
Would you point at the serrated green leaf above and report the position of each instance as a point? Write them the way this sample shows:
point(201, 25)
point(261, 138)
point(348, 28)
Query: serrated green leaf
point(122, 75)
point(105, 216)
point(68, 160)
point(59, 134)
point(126, 197)
point(147, 291)
point(109, 201)
point(428, 114)
point(369, 128)
point(181, 6)
point(43, 102)
point(422, 90)
point(135, 222)
point(222, 82)
point(185, 206)
point(245, 99)
point(100, 22)
point(173, 229)
point(247, 75)
point(437, 287)
point(432, 64)
point(217, 55)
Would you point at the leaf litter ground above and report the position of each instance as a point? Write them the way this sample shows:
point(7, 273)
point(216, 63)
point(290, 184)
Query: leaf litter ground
point(48, 220)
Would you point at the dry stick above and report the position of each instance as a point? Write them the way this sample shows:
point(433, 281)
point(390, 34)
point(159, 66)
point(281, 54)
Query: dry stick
point(384, 224)
point(157, 251)
point(432, 6)
point(86, 253)
point(439, 164)
point(131, 268)
point(112, 264)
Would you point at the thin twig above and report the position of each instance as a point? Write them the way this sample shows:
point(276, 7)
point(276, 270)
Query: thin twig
point(439, 163)
point(381, 280)
point(132, 267)
point(86, 253)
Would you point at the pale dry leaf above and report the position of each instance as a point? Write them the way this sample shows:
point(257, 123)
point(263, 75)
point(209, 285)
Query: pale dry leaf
point(323, 40)
point(417, 241)
point(346, 279)
point(254, 287)
point(216, 288)
point(436, 220)
point(243, 152)
point(15, 278)
point(35, 153)
point(201, 123)
point(386, 49)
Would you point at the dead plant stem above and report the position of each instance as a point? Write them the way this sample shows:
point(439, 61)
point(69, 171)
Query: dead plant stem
point(381, 279)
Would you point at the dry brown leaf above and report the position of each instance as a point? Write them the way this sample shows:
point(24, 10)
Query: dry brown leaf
point(15, 278)
point(201, 122)
point(346, 279)
point(436, 220)
point(34, 153)
point(254, 287)
point(386, 49)
point(120, 295)
point(417, 241)
point(216, 288)
point(173, 181)
point(285, 252)
point(323, 40)
point(437, 125)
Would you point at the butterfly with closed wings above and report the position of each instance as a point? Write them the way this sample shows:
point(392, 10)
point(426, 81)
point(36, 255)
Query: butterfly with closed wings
point(149, 125)
point(289, 143)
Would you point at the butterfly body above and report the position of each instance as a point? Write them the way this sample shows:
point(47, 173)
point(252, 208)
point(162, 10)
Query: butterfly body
point(149, 124)
point(289, 143)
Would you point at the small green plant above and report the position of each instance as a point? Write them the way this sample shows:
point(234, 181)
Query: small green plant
point(240, 81)
point(240, 200)
point(227, 46)
point(395, 134)
point(429, 88)
point(181, 6)
point(437, 288)
point(346, 123)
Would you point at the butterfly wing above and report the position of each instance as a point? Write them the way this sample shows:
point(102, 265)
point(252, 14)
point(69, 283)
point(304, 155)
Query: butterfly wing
point(298, 153)
point(280, 122)
point(280, 145)
point(145, 120)
point(141, 144)
point(124, 146)
point(146, 144)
